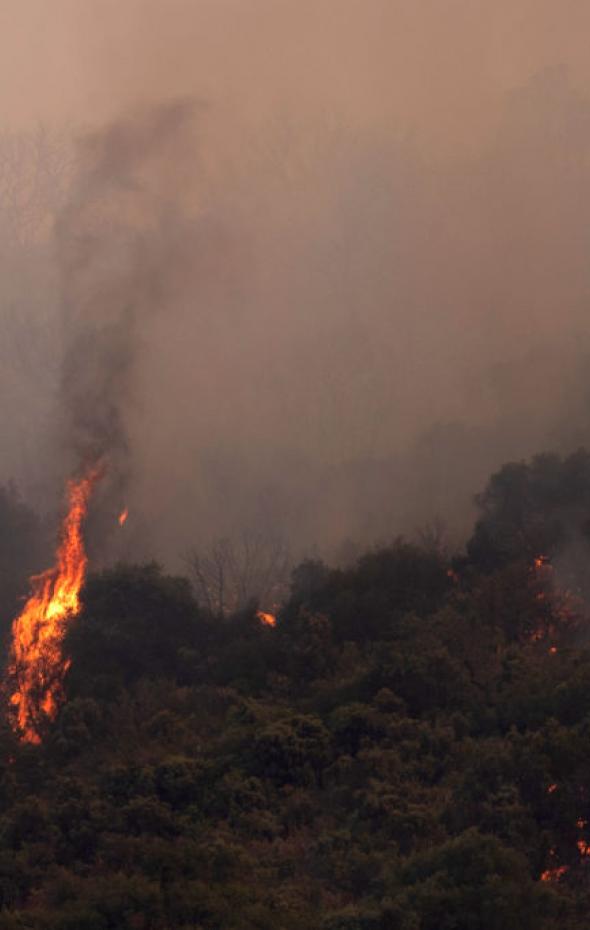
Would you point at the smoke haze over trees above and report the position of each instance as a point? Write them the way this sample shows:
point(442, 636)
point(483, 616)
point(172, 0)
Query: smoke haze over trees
point(311, 278)
point(356, 264)
point(406, 749)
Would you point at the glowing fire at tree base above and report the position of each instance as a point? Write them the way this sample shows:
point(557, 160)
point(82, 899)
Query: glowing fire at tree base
point(37, 664)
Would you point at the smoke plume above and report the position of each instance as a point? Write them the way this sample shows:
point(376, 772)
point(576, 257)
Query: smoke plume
point(121, 245)
point(325, 301)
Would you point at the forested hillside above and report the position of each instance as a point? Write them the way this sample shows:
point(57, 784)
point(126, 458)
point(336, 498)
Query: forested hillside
point(407, 749)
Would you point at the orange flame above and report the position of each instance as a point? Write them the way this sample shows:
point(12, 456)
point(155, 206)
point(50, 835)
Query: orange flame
point(268, 619)
point(553, 875)
point(123, 516)
point(37, 664)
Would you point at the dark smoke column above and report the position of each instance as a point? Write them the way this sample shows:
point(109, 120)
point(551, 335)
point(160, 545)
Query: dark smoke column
point(123, 242)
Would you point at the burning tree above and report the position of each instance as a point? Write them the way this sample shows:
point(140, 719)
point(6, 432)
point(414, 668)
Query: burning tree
point(37, 666)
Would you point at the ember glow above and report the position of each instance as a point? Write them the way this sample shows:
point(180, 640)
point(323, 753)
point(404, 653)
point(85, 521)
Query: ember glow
point(122, 518)
point(553, 875)
point(267, 619)
point(560, 610)
point(37, 665)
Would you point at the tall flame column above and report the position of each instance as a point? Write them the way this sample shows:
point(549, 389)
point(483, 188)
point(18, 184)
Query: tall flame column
point(37, 663)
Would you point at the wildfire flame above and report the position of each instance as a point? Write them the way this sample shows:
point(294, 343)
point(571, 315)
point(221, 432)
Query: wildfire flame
point(122, 518)
point(37, 665)
point(268, 619)
point(553, 875)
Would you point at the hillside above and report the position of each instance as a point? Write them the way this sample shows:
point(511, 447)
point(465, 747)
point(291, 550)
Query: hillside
point(407, 749)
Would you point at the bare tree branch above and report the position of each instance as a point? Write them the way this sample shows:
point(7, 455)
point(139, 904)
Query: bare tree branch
point(227, 575)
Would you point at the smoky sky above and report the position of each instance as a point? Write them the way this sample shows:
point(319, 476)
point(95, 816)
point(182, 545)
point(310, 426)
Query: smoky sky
point(309, 268)
point(118, 256)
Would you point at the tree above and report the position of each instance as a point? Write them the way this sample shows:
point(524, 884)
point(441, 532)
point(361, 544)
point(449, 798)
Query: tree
point(231, 574)
point(532, 509)
point(134, 622)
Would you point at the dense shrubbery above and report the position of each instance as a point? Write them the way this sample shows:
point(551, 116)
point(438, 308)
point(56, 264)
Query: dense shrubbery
point(409, 748)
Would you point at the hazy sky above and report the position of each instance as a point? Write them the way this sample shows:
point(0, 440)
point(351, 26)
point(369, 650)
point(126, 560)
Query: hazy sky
point(364, 270)
point(437, 68)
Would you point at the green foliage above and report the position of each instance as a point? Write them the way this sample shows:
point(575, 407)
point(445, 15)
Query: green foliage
point(135, 622)
point(472, 882)
point(296, 749)
point(366, 601)
point(402, 752)
point(532, 509)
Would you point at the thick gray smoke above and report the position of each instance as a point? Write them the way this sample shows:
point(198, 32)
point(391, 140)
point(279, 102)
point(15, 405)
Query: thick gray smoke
point(325, 301)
